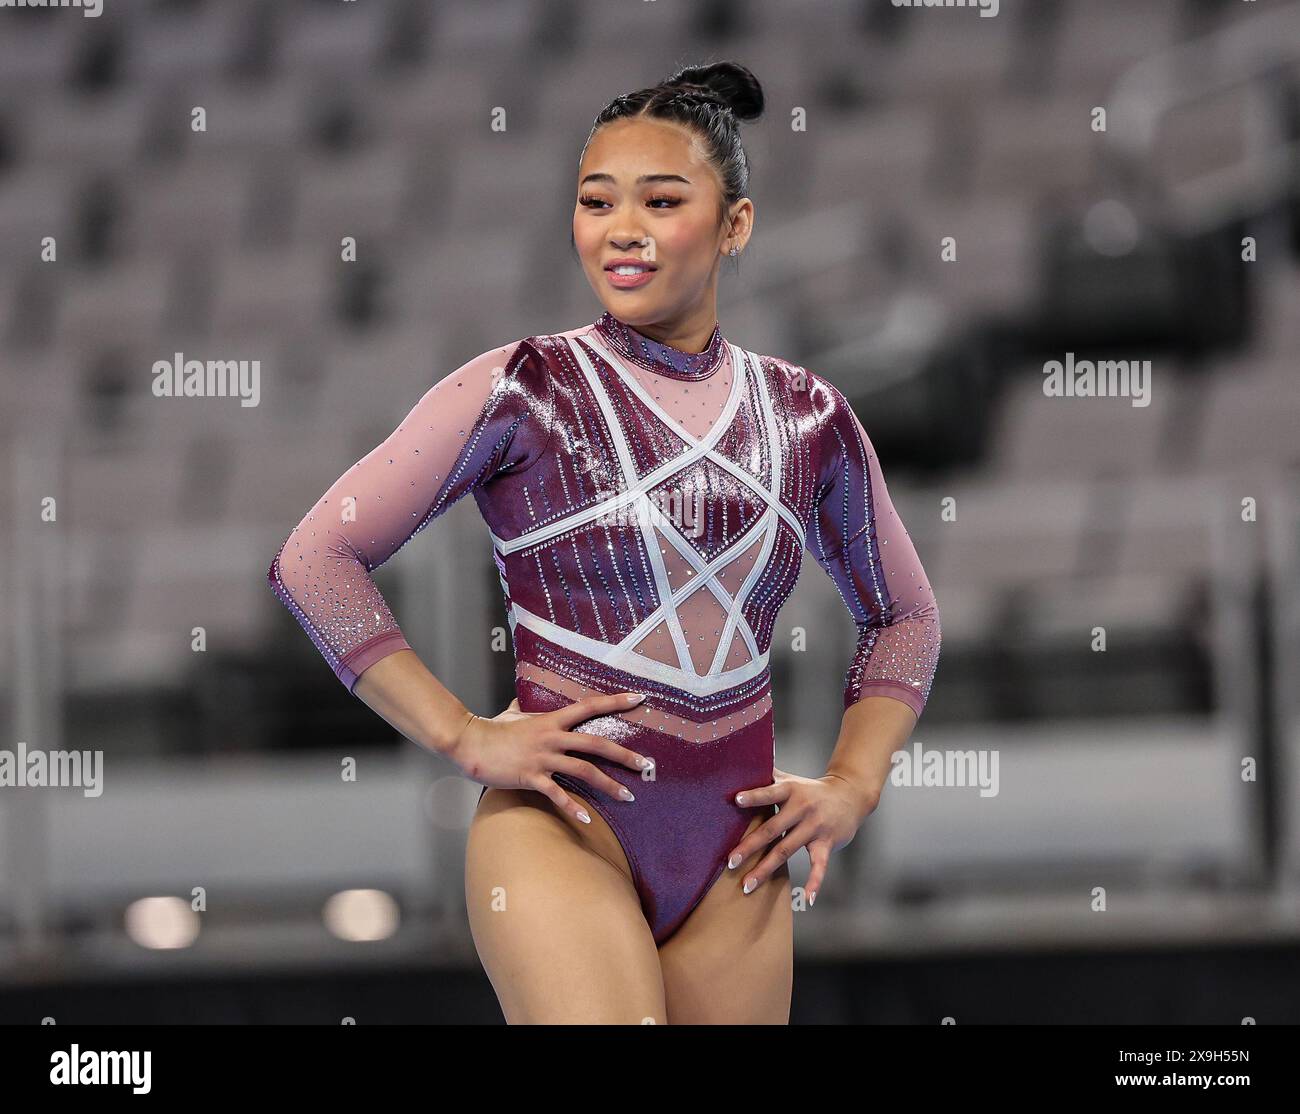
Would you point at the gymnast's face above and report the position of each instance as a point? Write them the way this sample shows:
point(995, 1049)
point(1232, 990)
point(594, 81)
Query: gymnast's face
point(647, 192)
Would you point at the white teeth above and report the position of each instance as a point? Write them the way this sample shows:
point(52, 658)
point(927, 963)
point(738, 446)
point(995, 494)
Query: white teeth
point(629, 269)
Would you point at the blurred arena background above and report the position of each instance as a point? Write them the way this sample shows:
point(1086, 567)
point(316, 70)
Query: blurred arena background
point(1160, 775)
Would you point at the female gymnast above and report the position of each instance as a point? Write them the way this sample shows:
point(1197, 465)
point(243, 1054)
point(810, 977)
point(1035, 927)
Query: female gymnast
point(649, 488)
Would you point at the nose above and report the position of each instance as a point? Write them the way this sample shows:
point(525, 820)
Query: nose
point(625, 228)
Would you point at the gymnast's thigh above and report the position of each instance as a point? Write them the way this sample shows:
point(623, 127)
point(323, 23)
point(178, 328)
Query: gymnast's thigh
point(732, 961)
point(555, 916)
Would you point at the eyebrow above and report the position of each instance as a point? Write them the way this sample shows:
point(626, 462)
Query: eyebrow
point(644, 178)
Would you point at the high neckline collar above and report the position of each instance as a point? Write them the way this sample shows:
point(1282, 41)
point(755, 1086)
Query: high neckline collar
point(662, 359)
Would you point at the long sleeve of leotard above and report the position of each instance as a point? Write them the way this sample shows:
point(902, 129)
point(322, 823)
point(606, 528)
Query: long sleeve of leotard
point(860, 541)
point(462, 432)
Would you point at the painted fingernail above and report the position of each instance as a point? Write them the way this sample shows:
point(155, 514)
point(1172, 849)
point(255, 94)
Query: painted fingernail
point(812, 897)
point(635, 697)
point(749, 884)
point(740, 798)
point(625, 793)
point(733, 862)
point(584, 817)
point(643, 761)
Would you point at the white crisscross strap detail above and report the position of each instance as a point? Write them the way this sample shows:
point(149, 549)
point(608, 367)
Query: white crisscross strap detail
point(634, 502)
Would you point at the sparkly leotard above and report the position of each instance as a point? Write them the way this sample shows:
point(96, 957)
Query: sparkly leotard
point(648, 509)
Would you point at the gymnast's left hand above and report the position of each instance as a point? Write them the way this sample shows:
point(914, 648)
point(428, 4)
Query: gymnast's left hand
point(822, 814)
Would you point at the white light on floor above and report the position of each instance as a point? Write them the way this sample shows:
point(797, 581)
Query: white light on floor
point(361, 915)
point(162, 922)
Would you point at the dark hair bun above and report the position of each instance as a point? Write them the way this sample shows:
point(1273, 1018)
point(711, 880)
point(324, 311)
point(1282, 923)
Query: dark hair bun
point(732, 84)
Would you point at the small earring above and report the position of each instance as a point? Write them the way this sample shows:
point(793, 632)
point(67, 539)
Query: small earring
point(734, 251)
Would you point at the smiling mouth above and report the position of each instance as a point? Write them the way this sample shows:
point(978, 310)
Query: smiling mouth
point(629, 276)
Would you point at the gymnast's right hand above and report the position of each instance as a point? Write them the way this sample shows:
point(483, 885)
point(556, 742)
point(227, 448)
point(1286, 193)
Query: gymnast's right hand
point(521, 750)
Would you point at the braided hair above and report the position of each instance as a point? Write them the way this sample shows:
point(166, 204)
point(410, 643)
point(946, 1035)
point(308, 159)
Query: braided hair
point(711, 100)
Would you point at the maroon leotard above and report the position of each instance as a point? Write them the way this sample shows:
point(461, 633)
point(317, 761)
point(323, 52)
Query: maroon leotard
point(648, 509)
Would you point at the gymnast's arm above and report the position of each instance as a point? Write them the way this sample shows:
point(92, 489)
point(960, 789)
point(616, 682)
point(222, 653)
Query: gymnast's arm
point(862, 544)
point(465, 429)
